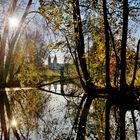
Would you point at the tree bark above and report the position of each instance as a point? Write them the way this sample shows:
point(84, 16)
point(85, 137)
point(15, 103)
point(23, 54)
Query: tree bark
point(123, 45)
point(107, 120)
point(83, 119)
point(107, 52)
point(5, 132)
point(79, 39)
point(135, 126)
point(135, 67)
point(122, 123)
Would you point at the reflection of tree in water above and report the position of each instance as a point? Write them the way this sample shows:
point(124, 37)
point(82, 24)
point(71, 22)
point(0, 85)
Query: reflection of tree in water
point(60, 115)
point(28, 108)
point(55, 87)
point(95, 128)
point(49, 116)
point(42, 114)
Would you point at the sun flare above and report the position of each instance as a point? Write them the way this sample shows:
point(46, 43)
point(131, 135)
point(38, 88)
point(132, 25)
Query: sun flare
point(13, 22)
point(13, 123)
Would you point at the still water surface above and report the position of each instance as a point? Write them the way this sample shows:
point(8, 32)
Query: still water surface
point(57, 115)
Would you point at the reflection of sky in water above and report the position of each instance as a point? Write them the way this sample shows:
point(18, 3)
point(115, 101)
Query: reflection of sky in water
point(55, 115)
point(130, 126)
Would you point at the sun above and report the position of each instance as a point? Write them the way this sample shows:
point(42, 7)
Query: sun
point(13, 22)
point(13, 123)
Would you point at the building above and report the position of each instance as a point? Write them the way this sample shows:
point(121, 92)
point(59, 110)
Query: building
point(55, 66)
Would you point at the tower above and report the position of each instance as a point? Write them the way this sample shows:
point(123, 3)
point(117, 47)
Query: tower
point(55, 60)
point(49, 61)
point(55, 63)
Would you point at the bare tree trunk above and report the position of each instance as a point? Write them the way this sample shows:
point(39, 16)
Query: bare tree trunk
point(122, 123)
point(107, 120)
point(79, 39)
point(16, 134)
point(123, 45)
point(83, 119)
point(135, 126)
point(135, 67)
point(88, 86)
point(2, 114)
point(14, 41)
point(107, 51)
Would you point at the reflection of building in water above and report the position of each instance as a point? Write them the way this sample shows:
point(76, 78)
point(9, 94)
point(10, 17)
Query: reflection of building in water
point(55, 86)
point(55, 66)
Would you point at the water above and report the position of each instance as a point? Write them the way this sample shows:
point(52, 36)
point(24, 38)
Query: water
point(59, 112)
point(55, 116)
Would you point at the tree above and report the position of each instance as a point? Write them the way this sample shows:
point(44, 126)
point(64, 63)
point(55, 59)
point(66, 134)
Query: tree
point(28, 109)
point(8, 41)
point(31, 74)
point(120, 93)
